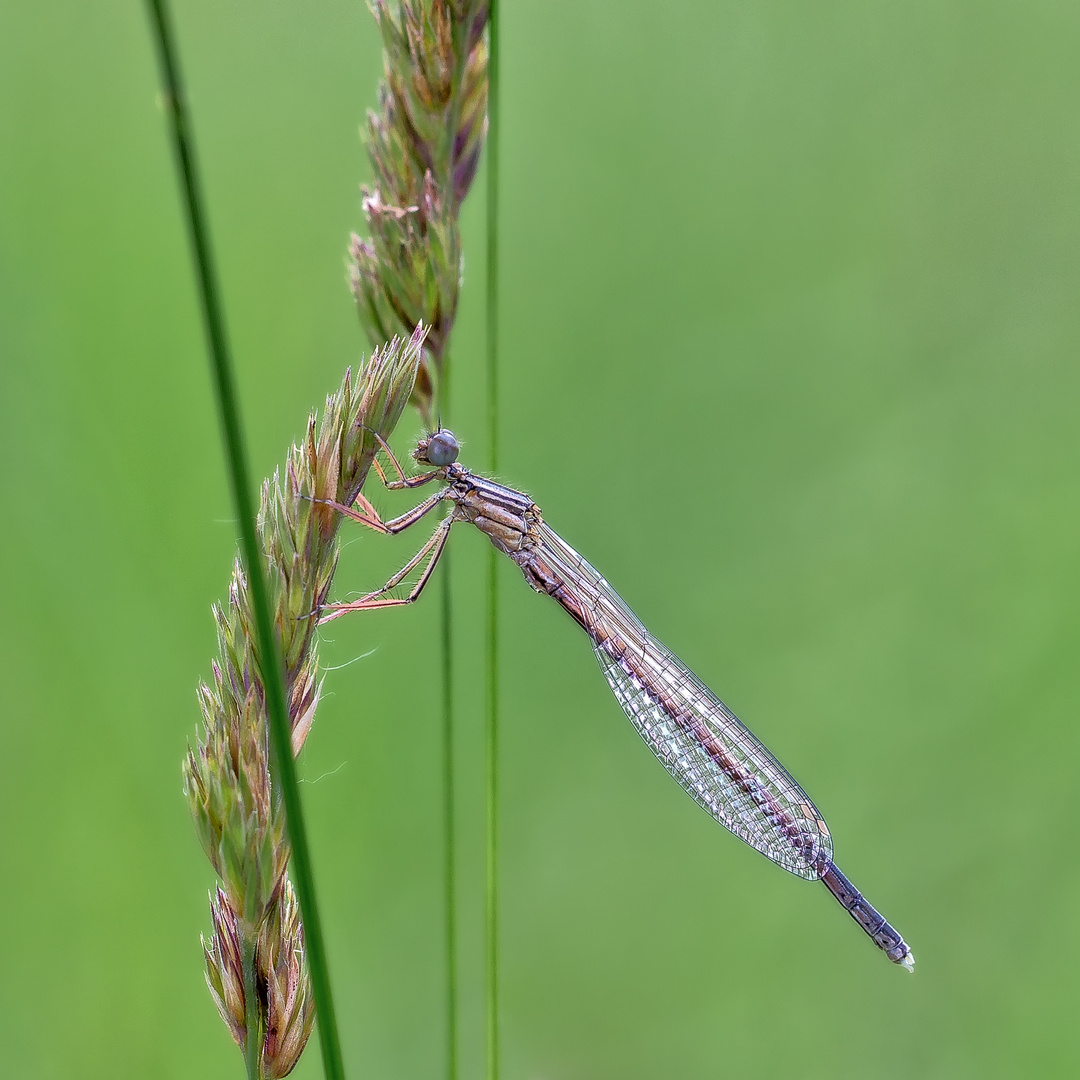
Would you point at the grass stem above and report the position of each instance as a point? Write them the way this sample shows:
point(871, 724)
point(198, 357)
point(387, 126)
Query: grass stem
point(239, 477)
point(253, 1035)
point(449, 864)
point(493, 570)
point(449, 832)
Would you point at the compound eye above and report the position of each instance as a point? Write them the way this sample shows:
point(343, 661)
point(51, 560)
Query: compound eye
point(442, 449)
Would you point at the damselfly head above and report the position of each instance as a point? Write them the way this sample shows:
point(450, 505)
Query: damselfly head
point(440, 449)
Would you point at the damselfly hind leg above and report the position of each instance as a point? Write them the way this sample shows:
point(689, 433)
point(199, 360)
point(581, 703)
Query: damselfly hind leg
point(378, 599)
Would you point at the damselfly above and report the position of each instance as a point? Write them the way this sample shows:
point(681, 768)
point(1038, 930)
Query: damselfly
point(725, 769)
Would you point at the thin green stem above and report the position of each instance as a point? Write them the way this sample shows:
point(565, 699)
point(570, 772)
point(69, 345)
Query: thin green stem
point(493, 569)
point(449, 835)
point(236, 459)
point(253, 1033)
point(492, 908)
point(449, 883)
point(492, 215)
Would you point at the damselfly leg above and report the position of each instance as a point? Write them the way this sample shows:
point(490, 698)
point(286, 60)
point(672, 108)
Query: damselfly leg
point(378, 599)
point(369, 516)
point(402, 481)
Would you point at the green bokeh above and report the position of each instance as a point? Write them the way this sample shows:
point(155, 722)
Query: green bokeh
point(790, 337)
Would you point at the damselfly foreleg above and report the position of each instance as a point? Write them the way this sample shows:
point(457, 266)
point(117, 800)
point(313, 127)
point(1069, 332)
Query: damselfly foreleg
point(369, 516)
point(402, 481)
point(432, 549)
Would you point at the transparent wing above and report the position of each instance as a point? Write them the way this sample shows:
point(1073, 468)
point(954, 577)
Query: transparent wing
point(697, 738)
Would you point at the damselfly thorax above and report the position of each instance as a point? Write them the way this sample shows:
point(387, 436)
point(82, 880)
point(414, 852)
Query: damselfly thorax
point(697, 738)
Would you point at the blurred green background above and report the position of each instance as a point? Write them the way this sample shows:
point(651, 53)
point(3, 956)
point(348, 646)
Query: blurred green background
point(789, 352)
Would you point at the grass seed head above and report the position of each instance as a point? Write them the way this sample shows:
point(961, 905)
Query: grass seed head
point(234, 801)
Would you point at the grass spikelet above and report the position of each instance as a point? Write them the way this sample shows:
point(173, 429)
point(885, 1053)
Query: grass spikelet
point(424, 142)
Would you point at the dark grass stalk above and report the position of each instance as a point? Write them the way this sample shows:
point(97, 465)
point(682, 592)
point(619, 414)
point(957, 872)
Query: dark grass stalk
point(239, 477)
point(493, 569)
